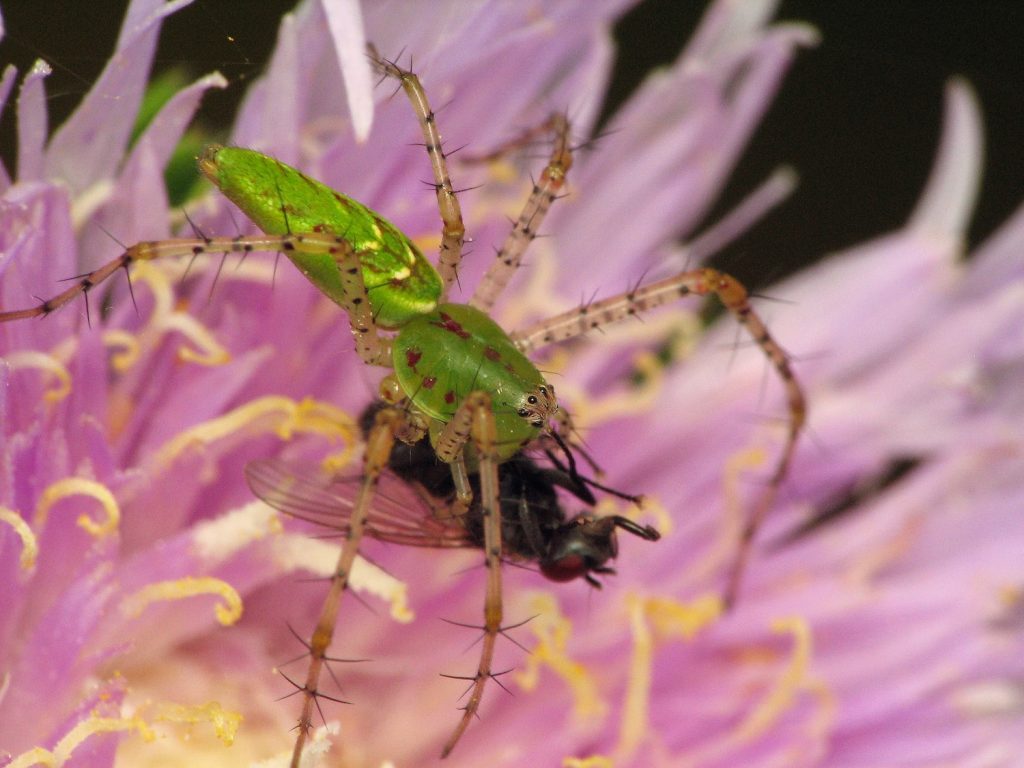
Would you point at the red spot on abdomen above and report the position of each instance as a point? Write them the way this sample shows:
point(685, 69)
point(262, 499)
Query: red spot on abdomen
point(449, 397)
point(492, 354)
point(448, 323)
point(429, 382)
point(412, 357)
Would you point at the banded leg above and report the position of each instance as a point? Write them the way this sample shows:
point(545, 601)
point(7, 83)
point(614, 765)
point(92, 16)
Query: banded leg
point(454, 437)
point(477, 410)
point(545, 192)
point(378, 451)
point(372, 348)
point(734, 297)
point(453, 231)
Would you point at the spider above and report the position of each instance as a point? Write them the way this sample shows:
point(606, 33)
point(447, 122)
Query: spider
point(457, 379)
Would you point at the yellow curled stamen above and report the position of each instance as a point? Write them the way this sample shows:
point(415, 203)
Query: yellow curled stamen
point(47, 364)
point(80, 486)
point(597, 761)
point(76, 736)
point(86, 203)
point(636, 707)
point(273, 413)
point(672, 619)
point(590, 412)
point(316, 417)
point(781, 697)
point(652, 618)
point(155, 277)
point(165, 318)
point(29, 545)
point(210, 351)
point(128, 346)
point(820, 726)
point(649, 371)
point(732, 518)
point(736, 467)
point(553, 630)
point(225, 722)
point(190, 586)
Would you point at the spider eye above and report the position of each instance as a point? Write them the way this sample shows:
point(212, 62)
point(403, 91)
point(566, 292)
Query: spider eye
point(523, 412)
point(542, 389)
point(532, 399)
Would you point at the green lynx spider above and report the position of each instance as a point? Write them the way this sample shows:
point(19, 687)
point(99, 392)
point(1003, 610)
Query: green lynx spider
point(455, 373)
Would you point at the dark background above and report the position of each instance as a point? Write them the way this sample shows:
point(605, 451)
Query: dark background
point(858, 116)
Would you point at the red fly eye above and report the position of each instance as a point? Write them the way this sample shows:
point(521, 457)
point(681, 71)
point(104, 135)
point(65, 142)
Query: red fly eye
point(565, 568)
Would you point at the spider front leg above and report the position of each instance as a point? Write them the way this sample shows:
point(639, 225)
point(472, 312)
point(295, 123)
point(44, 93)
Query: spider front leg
point(544, 193)
point(453, 231)
point(349, 252)
point(334, 254)
point(734, 297)
point(474, 420)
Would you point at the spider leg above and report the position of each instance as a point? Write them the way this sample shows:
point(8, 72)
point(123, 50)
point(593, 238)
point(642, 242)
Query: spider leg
point(545, 192)
point(734, 297)
point(483, 432)
point(372, 348)
point(378, 451)
point(453, 230)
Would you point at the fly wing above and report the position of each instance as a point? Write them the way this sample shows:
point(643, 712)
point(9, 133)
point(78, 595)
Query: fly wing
point(400, 512)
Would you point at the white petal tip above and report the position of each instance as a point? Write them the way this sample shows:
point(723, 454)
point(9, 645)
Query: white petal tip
point(345, 21)
point(948, 200)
